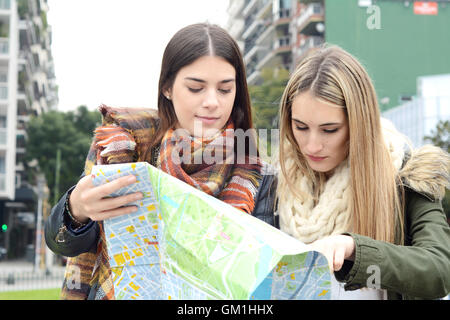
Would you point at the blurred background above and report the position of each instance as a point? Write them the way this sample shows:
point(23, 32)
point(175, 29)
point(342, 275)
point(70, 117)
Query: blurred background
point(59, 60)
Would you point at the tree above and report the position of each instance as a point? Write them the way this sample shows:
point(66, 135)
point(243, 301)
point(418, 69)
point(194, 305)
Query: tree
point(84, 120)
point(265, 105)
point(441, 138)
point(71, 133)
point(266, 97)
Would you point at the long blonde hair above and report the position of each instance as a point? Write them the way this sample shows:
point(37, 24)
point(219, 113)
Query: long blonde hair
point(333, 75)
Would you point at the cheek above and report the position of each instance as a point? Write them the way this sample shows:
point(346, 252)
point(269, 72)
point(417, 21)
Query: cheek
point(342, 146)
point(229, 103)
point(299, 138)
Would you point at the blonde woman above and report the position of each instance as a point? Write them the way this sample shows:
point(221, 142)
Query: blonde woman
point(350, 186)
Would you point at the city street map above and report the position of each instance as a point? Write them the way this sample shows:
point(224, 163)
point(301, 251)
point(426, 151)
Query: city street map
point(185, 244)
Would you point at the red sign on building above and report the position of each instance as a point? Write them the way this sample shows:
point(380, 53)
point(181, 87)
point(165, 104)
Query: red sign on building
point(425, 7)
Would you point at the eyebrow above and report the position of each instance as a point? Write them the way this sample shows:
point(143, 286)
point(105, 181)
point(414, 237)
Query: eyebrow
point(203, 81)
point(322, 125)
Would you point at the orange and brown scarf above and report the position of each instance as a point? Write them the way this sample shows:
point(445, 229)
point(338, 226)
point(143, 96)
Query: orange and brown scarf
point(209, 165)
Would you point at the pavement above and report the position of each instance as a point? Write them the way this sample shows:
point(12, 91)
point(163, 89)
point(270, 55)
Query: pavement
point(17, 275)
point(15, 265)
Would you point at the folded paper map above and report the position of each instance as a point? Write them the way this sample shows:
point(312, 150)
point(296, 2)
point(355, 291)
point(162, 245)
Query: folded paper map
point(185, 244)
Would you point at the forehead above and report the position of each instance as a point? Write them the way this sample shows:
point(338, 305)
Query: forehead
point(208, 68)
point(306, 107)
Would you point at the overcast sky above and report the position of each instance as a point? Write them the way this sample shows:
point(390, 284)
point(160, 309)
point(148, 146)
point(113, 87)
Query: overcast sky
point(110, 51)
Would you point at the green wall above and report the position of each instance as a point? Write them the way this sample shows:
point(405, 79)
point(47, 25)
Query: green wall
point(406, 45)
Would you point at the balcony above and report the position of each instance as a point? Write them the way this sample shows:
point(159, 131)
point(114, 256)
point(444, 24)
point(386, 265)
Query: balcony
point(281, 47)
point(282, 17)
point(235, 29)
point(309, 18)
point(236, 8)
point(249, 6)
point(266, 36)
point(250, 53)
point(20, 142)
point(282, 43)
point(263, 8)
point(308, 44)
point(253, 77)
point(251, 26)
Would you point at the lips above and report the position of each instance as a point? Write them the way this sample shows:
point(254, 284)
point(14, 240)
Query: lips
point(317, 159)
point(207, 120)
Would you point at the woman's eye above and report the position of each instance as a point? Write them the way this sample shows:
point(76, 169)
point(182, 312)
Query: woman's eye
point(330, 130)
point(225, 90)
point(194, 90)
point(301, 128)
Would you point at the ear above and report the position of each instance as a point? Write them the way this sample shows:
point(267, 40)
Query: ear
point(167, 93)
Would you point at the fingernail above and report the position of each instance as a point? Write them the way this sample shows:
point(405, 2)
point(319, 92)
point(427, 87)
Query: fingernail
point(131, 179)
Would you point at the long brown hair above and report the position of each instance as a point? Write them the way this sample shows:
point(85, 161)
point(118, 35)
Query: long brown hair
point(333, 75)
point(186, 46)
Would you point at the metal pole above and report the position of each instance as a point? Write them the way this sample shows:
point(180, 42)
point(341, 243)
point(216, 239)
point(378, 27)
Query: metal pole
point(57, 173)
point(40, 192)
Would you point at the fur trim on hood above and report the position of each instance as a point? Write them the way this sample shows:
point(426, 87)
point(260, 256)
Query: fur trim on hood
point(427, 171)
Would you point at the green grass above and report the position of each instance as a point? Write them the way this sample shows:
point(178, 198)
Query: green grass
point(47, 294)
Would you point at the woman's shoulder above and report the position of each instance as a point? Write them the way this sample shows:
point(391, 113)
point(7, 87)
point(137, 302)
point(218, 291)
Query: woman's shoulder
point(130, 118)
point(426, 172)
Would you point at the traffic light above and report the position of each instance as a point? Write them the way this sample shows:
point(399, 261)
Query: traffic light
point(4, 227)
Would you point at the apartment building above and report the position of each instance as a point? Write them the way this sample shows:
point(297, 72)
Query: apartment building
point(27, 87)
point(400, 43)
point(274, 33)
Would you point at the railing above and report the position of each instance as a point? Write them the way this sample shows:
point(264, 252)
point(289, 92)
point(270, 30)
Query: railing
point(312, 9)
point(282, 42)
point(283, 13)
point(311, 42)
point(31, 280)
point(419, 117)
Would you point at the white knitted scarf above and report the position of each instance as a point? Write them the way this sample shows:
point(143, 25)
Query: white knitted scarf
point(307, 221)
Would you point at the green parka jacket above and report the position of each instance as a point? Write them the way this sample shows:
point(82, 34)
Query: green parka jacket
point(420, 268)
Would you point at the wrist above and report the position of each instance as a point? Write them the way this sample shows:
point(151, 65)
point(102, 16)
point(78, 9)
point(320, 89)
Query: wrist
point(75, 219)
point(350, 252)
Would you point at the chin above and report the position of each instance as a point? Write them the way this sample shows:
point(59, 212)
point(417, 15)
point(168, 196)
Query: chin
point(319, 168)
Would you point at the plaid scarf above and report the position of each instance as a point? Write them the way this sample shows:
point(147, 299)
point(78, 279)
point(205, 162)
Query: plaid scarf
point(209, 165)
point(125, 136)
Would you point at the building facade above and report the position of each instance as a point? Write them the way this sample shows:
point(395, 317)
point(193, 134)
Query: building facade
point(400, 43)
point(274, 33)
point(27, 87)
point(419, 117)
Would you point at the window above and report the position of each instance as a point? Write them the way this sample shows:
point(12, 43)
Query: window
point(2, 164)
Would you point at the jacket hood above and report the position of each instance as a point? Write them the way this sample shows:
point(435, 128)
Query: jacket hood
point(427, 171)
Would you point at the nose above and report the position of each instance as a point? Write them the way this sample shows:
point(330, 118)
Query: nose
point(314, 144)
point(211, 99)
